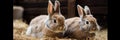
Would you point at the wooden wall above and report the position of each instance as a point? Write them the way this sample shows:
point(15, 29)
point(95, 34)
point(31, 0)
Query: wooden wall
point(34, 8)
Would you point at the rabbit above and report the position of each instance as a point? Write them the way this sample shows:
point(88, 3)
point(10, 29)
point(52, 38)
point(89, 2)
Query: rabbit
point(83, 26)
point(51, 25)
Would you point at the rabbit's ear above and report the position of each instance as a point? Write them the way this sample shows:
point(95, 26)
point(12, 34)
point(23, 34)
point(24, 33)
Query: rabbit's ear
point(50, 7)
point(57, 6)
point(80, 11)
point(87, 10)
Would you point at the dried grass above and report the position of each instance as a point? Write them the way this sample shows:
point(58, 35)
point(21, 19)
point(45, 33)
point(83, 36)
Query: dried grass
point(19, 28)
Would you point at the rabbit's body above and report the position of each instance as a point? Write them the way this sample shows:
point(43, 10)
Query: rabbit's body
point(42, 29)
point(38, 20)
point(72, 23)
point(51, 25)
point(36, 26)
point(74, 30)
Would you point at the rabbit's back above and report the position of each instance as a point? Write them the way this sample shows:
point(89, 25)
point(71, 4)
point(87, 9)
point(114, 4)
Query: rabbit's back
point(72, 23)
point(38, 21)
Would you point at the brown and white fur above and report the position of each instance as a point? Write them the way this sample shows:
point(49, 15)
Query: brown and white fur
point(51, 25)
point(79, 27)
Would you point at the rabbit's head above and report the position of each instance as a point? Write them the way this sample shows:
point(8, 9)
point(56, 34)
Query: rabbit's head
point(87, 21)
point(56, 21)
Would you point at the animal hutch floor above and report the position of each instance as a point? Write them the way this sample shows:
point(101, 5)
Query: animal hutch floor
point(19, 28)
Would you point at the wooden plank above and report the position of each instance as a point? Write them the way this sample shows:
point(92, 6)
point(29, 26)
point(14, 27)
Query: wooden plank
point(40, 4)
point(71, 8)
point(92, 2)
point(33, 5)
point(63, 9)
point(33, 1)
point(38, 1)
point(99, 2)
point(99, 10)
point(35, 11)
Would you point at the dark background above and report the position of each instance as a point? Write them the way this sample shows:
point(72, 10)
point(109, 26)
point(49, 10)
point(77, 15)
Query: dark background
point(33, 8)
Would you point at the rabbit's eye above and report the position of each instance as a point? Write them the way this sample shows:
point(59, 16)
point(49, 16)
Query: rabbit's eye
point(87, 22)
point(54, 21)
